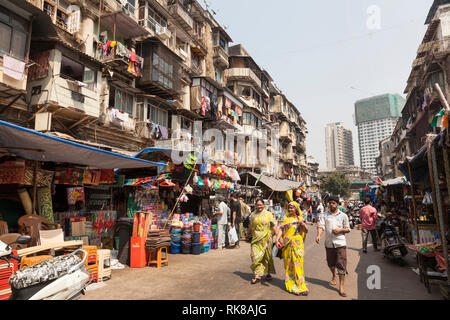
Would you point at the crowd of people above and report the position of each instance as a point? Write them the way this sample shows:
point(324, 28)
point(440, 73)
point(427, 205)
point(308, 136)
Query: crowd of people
point(290, 231)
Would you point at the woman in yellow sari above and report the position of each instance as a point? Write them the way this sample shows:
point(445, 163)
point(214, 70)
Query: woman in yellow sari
point(262, 224)
point(293, 233)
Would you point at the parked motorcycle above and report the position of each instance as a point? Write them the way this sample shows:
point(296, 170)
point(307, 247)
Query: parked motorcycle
point(351, 219)
point(61, 278)
point(356, 217)
point(391, 244)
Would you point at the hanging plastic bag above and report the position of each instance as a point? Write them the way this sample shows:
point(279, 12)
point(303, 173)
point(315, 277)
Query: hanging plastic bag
point(232, 235)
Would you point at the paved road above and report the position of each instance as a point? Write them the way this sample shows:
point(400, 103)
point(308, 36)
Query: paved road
point(225, 275)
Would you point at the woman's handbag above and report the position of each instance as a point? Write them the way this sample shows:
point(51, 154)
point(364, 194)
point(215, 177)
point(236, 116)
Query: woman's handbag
point(277, 252)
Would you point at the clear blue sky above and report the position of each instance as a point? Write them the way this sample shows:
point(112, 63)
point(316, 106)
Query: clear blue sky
point(317, 50)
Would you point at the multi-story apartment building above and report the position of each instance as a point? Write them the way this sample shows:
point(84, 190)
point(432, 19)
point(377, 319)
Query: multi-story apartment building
point(127, 74)
point(384, 163)
point(339, 146)
point(16, 33)
point(292, 132)
point(313, 181)
point(422, 102)
point(376, 118)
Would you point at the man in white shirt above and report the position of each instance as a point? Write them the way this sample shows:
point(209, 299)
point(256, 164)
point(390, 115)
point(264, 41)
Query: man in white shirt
point(222, 223)
point(335, 224)
point(320, 210)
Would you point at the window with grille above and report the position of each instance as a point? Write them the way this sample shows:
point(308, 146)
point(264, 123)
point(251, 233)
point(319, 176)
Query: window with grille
point(13, 34)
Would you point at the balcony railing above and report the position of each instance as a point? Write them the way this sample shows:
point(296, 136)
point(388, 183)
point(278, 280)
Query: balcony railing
point(151, 24)
point(243, 73)
point(62, 24)
point(121, 55)
point(221, 56)
point(182, 15)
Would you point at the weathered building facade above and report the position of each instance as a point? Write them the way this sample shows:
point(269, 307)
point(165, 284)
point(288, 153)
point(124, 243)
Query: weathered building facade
point(125, 75)
point(430, 67)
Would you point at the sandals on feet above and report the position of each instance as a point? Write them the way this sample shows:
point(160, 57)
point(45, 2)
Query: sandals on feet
point(342, 294)
point(256, 280)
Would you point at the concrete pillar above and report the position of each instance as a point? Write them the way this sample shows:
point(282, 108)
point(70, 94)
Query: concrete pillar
point(87, 32)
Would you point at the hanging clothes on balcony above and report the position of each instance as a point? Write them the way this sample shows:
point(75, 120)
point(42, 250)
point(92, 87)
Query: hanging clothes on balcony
point(164, 132)
point(133, 57)
point(108, 48)
point(213, 104)
point(238, 111)
point(196, 98)
point(13, 68)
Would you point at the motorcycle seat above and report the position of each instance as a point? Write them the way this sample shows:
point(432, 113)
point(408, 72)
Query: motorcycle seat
point(44, 271)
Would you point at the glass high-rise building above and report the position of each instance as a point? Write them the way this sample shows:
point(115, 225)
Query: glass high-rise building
point(376, 118)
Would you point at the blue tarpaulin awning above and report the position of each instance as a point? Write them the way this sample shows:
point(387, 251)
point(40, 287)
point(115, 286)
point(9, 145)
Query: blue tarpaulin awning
point(166, 151)
point(31, 145)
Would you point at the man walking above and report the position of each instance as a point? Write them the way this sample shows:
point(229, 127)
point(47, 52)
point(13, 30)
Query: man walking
point(236, 217)
point(245, 211)
point(335, 224)
point(222, 223)
point(369, 216)
point(320, 210)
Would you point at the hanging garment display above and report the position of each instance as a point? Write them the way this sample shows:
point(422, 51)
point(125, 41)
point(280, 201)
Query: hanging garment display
point(26, 201)
point(44, 197)
point(203, 168)
point(74, 195)
point(107, 176)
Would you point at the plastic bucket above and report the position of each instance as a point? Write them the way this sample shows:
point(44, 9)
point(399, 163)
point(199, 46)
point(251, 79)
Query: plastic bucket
point(174, 250)
point(196, 237)
point(197, 226)
point(196, 248)
point(186, 249)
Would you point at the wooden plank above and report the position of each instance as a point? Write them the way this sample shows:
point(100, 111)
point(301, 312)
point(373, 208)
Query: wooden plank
point(34, 115)
point(64, 127)
point(90, 122)
point(55, 246)
point(78, 122)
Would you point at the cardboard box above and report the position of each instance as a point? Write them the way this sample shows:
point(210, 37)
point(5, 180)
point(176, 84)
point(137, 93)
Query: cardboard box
point(78, 228)
point(51, 236)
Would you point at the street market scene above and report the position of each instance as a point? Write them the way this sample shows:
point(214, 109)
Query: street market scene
point(146, 155)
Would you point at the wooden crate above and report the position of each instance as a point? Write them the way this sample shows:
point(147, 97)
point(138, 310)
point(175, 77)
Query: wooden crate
point(104, 271)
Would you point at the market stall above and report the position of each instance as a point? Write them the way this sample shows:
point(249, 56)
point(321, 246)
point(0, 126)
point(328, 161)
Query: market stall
point(181, 202)
point(41, 174)
point(429, 174)
point(278, 192)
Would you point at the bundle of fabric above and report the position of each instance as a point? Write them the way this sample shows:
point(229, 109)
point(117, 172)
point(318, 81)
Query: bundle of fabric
point(157, 239)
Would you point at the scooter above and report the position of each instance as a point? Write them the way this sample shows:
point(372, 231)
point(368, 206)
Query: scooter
point(60, 278)
point(391, 244)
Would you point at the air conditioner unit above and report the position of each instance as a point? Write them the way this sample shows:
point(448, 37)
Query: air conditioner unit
point(43, 122)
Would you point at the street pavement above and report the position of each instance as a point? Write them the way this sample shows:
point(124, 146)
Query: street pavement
point(225, 275)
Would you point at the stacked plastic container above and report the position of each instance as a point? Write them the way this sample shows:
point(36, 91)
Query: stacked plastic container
point(175, 236)
point(196, 240)
point(186, 237)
